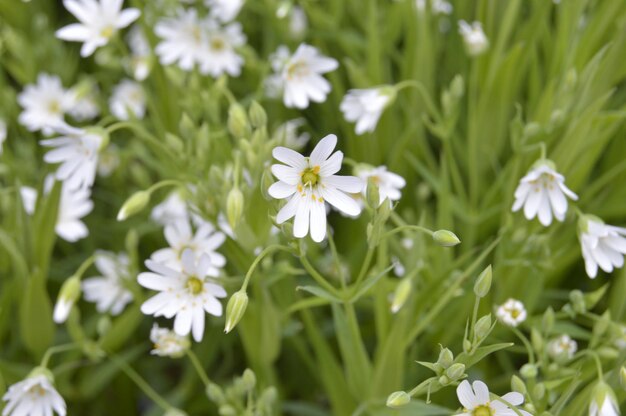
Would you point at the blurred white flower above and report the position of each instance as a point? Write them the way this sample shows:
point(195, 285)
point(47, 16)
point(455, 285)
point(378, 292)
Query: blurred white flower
point(185, 294)
point(602, 245)
point(542, 193)
point(603, 401)
point(140, 60)
point(511, 312)
point(476, 401)
point(44, 104)
point(109, 290)
point(128, 100)
point(220, 56)
point(301, 75)
point(474, 38)
point(224, 10)
point(85, 106)
point(3, 133)
point(365, 107)
point(77, 152)
point(308, 182)
point(99, 21)
point(203, 242)
point(183, 39)
point(34, 396)
point(288, 134)
point(562, 347)
point(109, 160)
point(389, 183)
point(172, 209)
point(436, 6)
point(168, 343)
point(298, 22)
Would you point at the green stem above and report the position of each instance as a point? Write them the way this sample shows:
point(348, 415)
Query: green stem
point(198, 366)
point(335, 254)
point(421, 89)
point(255, 263)
point(408, 228)
point(164, 183)
point(84, 266)
point(596, 358)
point(500, 399)
point(522, 337)
point(317, 276)
point(55, 350)
point(474, 317)
point(365, 266)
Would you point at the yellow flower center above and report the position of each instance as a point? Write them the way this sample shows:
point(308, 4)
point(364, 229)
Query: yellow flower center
point(217, 44)
point(310, 176)
point(54, 107)
point(195, 32)
point(107, 32)
point(195, 285)
point(296, 69)
point(484, 410)
point(37, 390)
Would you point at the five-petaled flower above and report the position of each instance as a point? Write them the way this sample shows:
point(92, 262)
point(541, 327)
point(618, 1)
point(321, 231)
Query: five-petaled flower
point(476, 401)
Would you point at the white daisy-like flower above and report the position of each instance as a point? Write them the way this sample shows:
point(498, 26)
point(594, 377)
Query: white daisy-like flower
point(365, 107)
point(3, 133)
point(389, 184)
point(477, 402)
point(168, 343)
point(128, 100)
point(603, 401)
point(140, 60)
point(602, 245)
point(474, 38)
point(184, 39)
point(34, 396)
point(99, 21)
point(511, 312)
point(44, 104)
point(224, 10)
point(220, 56)
point(301, 75)
point(203, 242)
point(288, 134)
point(542, 193)
point(308, 182)
point(185, 294)
point(76, 151)
point(109, 290)
point(562, 347)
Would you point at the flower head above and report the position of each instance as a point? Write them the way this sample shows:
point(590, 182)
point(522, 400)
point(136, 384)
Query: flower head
point(477, 402)
point(44, 104)
point(511, 312)
point(99, 21)
point(109, 291)
point(542, 193)
point(474, 38)
point(128, 100)
point(562, 347)
point(183, 39)
point(184, 294)
point(602, 245)
point(35, 395)
point(224, 10)
point(389, 184)
point(220, 56)
point(308, 182)
point(168, 343)
point(365, 107)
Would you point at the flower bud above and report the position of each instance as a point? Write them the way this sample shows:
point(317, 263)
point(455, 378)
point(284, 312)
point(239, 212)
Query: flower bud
point(528, 371)
point(133, 205)
point(249, 379)
point(401, 294)
point(372, 193)
point(536, 340)
point(482, 327)
point(455, 371)
point(41, 371)
point(234, 207)
point(457, 87)
point(446, 358)
point(518, 385)
point(539, 391)
point(398, 399)
point(603, 400)
point(446, 238)
point(483, 283)
point(467, 346)
point(227, 410)
point(258, 117)
point(104, 324)
point(238, 124)
point(68, 295)
point(622, 377)
point(235, 309)
point(578, 301)
point(443, 380)
point(215, 394)
point(547, 321)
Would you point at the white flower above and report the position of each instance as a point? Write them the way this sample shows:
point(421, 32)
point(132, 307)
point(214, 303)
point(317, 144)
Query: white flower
point(476, 401)
point(301, 75)
point(603, 401)
point(99, 21)
point(109, 160)
point(85, 106)
point(365, 107)
point(602, 245)
point(562, 347)
point(168, 343)
point(289, 136)
point(44, 104)
point(128, 100)
point(204, 242)
point(77, 152)
point(109, 291)
point(220, 56)
point(224, 10)
point(389, 183)
point(35, 396)
point(298, 22)
point(140, 48)
point(185, 294)
point(308, 182)
point(542, 193)
point(172, 209)
point(511, 312)
point(474, 38)
point(437, 6)
point(3, 133)
point(29, 199)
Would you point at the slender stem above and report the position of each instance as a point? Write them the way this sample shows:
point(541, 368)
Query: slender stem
point(596, 358)
point(365, 266)
point(542, 146)
point(164, 183)
point(421, 89)
point(474, 317)
point(408, 228)
point(55, 350)
point(198, 366)
point(317, 276)
point(522, 337)
point(335, 254)
point(256, 261)
point(421, 388)
point(84, 266)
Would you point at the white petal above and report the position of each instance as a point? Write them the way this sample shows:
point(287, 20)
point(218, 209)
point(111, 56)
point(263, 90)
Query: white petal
point(286, 174)
point(557, 200)
point(481, 390)
point(280, 190)
point(318, 221)
point(289, 210)
point(198, 323)
point(349, 184)
point(301, 223)
point(182, 323)
point(466, 395)
point(514, 398)
point(341, 201)
point(323, 149)
point(289, 157)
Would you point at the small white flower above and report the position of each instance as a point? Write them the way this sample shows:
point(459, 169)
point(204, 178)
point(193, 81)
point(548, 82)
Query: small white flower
point(542, 193)
point(3, 133)
point(34, 396)
point(602, 245)
point(128, 100)
point(140, 60)
point(437, 6)
point(298, 22)
point(44, 104)
point(477, 402)
point(203, 242)
point(365, 107)
point(172, 209)
point(474, 38)
point(224, 10)
point(99, 21)
point(109, 160)
point(308, 183)
point(511, 312)
point(288, 134)
point(77, 152)
point(301, 75)
point(109, 291)
point(562, 347)
point(185, 294)
point(220, 56)
point(85, 106)
point(168, 343)
point(603, 401)
point(389, 183)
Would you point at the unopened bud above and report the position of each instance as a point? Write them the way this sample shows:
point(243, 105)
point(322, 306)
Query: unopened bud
point(578, 301)
point(227, 410)
point(446, 358)
point(482, 327)
point(249, 379)
point(467, 345)
point(603, 400)
point(133, 205)
point(104, 324)
point(536, 340)
point(215, 394)
point(547, 322)
point(258, 117)
point(238, 121)
point(235, 309)
point(446, 238)
point(68, 295)
point(528, 371)
point(401, 294)
point(234, 207)
point(444, 380)
point(455, 371)
point(398, 399)
point(518, 385)
point(483, 283)
point(539, 391)
point(372, 193)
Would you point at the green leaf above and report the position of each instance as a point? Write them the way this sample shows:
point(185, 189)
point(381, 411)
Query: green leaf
point(36, 325)
point(480, 353)
point(122, 328)
point(368, 284)
point(320, 293)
